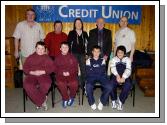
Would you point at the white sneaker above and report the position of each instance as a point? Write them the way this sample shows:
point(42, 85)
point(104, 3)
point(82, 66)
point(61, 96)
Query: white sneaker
point(114, 104)
point(119, 105)
point(93, 106)
point(100, 106)
point(44, 105)
point(38, 107)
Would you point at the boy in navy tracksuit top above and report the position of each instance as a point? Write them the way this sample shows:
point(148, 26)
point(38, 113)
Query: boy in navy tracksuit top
point(96, 71)
point(121, 70)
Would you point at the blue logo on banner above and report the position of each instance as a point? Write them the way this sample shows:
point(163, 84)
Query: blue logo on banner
point(88, 13)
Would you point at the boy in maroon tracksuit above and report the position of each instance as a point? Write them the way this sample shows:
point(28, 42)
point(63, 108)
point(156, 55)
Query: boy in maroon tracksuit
point(66, 70)
point(37, 68)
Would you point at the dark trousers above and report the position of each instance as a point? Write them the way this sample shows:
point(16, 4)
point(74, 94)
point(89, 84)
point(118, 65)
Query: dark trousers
point(82, 62)
point(106, 89)
point(124, 92)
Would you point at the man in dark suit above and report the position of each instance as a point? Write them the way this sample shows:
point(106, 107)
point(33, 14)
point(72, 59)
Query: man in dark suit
point(102, 37)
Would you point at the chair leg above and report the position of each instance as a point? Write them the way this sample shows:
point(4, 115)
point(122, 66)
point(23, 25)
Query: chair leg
point(52, 89)
point(24, 100)
point(79, 95)
point(108, 101)
point(26, 97)
point(53, 95)
point(83, 92)
point(133, 95)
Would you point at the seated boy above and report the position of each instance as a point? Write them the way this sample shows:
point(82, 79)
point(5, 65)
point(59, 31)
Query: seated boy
point(66, 70)
point(121, 70)
point(96, 72)
point(37, 69)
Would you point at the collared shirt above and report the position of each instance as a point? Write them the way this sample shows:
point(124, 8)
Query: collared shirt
point(28, 36)
point(125, 37)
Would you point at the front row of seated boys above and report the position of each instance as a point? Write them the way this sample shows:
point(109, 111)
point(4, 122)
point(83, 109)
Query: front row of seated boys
point(39, 66)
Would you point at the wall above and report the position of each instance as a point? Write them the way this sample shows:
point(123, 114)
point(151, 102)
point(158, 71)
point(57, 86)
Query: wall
point(145, 32)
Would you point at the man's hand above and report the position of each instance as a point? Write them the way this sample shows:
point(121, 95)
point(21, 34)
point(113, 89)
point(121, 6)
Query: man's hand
point(16, 54)
point(86, 57)
point(105, 57)
point(16, 45)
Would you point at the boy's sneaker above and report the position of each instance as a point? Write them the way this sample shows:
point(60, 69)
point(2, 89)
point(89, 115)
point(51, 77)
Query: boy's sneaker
point(119, 105)
point(93, 106)
point(114, 104)
point(44, 105)
point(38, 107)
point(70, 102)
point(100, 106)
point(64, 104)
